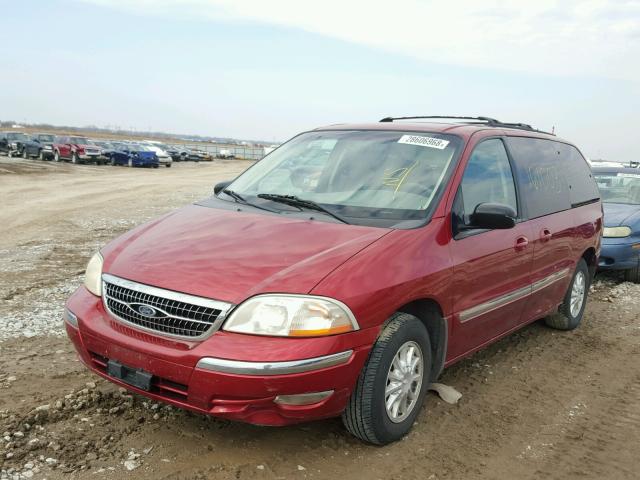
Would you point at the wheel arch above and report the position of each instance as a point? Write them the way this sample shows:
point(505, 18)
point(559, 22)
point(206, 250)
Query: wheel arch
point(429, 312)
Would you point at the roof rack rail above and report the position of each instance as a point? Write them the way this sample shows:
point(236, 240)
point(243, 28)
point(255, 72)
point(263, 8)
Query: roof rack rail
point(491, 122)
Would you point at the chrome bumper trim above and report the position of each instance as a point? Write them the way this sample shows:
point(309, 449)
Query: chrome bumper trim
point(273, 368)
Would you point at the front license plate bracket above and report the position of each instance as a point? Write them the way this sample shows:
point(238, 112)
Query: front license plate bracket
point(132, 376)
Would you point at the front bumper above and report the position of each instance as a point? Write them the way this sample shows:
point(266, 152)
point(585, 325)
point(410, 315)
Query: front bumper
point(234, 376)
point(619, 254)
point(89, 156)
point(165, 160)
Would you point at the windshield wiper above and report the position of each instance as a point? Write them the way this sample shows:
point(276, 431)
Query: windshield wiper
point(301, 203)
point(240, 199)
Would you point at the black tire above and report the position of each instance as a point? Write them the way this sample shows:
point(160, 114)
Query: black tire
point(9, 153)
point(25, 154)
point(41, 156)
point(113, 162)
point(74, 158)
point(168, 165)
point(130, 163)
point(633, 274)
point(56, 157)
point(563, 319)
point(366, 415)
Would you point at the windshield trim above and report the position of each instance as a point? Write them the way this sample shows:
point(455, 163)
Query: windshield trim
point(401, 224)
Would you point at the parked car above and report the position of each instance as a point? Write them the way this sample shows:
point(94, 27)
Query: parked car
point(164, 158)
point(40, 145)
point(11, 142)
point(310, 288)
point(77, 149)
point(620, 190)
point(133, 155)
point(225, 153)
point(106, 147)
point(201, 155)
point(177, 153)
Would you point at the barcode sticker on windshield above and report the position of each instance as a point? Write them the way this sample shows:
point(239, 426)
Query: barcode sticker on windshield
point(424, 141)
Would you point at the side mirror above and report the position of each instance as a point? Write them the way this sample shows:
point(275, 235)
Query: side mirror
point(221, 186)
point(493, 216)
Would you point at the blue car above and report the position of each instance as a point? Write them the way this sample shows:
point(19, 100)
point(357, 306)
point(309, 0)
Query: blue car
point(132, 155)
point(620, 191)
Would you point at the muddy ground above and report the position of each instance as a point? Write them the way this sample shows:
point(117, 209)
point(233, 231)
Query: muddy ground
point(539, 404)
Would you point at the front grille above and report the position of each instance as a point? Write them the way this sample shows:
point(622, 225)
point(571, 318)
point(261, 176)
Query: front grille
point(172, 313)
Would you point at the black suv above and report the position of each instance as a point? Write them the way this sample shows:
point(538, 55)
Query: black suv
point(40, 146)
point(12, 142)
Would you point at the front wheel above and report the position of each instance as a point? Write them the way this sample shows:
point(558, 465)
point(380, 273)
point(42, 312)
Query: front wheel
point(392, 385)
point(74, 158)
point(571, 310)
point(25, 154)
point(41, 155)
point(56, 156)
point(130, 163)
point(633, 274)
point(9, 153)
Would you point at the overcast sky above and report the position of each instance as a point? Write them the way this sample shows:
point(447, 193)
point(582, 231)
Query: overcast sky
point(269, 69)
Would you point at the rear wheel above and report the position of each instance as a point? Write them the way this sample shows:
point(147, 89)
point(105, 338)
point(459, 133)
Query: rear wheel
point(571, 310)
point(9, 153)
point(392, 385)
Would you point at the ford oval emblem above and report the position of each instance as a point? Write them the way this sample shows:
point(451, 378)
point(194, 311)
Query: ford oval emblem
point(147, 311)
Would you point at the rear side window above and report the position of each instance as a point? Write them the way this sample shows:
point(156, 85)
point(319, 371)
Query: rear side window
point(582, 186)
point(487, 178)
point(541, 175)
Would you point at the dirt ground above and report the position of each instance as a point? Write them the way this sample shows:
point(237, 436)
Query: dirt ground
point(540, 404)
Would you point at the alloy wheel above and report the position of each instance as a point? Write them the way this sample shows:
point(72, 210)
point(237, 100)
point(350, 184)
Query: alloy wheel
point(404, 381)
point(577, 293)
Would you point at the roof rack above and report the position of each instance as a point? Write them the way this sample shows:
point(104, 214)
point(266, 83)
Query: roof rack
point(490, 122)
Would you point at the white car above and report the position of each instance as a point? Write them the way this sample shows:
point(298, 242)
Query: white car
point(163, 157)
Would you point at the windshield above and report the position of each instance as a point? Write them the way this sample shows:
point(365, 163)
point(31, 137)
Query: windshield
point(380, 175)
point(619, 187)
point(45, 138)
point(79, 140)
point(16, 136)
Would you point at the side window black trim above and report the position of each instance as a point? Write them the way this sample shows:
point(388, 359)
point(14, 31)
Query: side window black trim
point(462, 234)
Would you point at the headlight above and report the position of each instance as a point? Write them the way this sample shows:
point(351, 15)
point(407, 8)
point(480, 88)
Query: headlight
point(291, 316)
point(93, 275)
point(616, 232)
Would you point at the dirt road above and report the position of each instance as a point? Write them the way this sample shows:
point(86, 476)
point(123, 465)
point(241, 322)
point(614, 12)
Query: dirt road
point(538, 404)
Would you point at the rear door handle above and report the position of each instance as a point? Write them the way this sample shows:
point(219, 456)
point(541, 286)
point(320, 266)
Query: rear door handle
point(545, 235)
point(521, 243)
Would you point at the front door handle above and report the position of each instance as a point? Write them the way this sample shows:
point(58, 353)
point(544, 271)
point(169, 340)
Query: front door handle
point(521, 243)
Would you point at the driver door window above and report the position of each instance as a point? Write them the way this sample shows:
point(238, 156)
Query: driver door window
point(487, 179)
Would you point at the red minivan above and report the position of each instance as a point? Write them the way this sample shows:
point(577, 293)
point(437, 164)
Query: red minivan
point(340, 274)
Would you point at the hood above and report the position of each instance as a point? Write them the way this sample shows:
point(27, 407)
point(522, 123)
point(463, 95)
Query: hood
point(616, 214)
point(145, 154)
point(230, 255)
